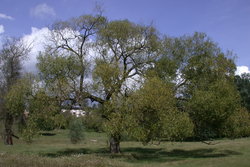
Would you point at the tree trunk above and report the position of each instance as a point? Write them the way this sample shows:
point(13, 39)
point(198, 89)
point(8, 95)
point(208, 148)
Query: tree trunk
point(9, 120)
point(114, 145)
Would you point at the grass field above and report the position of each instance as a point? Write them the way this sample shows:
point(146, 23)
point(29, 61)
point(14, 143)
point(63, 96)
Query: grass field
point(55, 150)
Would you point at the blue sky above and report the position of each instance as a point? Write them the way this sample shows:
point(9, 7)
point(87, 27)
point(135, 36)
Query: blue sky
point(227, 22)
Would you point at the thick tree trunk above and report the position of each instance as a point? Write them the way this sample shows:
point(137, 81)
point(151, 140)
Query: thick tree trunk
point(9, 120)
point(114, 145)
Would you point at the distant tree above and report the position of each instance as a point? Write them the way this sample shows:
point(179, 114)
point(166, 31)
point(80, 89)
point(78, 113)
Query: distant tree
point(243, 85)
point(12, 54)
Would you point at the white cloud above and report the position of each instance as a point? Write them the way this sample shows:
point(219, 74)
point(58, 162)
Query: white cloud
point(4, 16)
point(36, 39)
point(42, 11)
point(1, 29)
point(242, 69)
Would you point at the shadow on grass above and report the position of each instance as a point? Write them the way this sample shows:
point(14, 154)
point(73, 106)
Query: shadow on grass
point(47, 134)
point(78, 151)
point(138, 154)
point(160, 155)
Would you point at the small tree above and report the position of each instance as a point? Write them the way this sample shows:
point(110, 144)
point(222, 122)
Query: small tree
point(154, 116)
point(76, 130)
point(15, 102)
point(13, 52)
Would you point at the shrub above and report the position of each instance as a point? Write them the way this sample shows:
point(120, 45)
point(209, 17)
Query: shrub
point(30, 130)
point(76, 129)
point(237, 125)
point(94, 121)
point(45, 123)
point(60, 121)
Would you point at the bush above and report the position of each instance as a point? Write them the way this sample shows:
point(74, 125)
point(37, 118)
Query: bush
point(68, 117)
point(93, 121)
point(45, 123)
point(237, 125)
point(29, 130)
point(60, 121)
point(76, 129)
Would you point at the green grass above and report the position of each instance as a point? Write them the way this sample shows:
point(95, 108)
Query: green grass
point(55, 150)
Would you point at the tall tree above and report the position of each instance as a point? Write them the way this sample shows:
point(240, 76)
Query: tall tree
point(13, 52)
point(123, 51)
point(199, 70)
point(126, 51)
point(16, 101)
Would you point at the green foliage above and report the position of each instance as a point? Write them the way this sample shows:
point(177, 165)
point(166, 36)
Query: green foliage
point(17, 97)
point(17, 101)
point(210, 107)
point(93, 121)
point(30, 130)
point(76, 130)
point(203, 77)
point(60, 121)
point(194, 58)
point(125, 49)
point(45, 115)
point(243, 85)
point(130, 36)
point(59, 72)
point(106, 75)
point(115, 112)
point(67, 116)
point(153, 114)
point(237, 125)
point(56, 67)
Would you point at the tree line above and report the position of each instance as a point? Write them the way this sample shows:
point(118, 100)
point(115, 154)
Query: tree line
point(147, 85)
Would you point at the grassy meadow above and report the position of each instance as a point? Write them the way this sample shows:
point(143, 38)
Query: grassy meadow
point(53, 149)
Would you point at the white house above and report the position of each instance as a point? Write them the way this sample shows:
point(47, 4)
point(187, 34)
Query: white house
point(76, 112)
